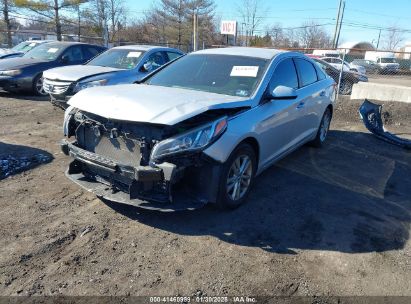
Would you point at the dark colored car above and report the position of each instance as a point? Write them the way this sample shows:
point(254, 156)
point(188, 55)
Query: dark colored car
point(348, 78)
point(370, 66)
point(25, 73)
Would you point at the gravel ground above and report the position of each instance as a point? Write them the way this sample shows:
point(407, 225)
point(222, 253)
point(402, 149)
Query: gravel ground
point(331, 221)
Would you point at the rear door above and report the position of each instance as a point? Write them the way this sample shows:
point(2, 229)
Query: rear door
point(73, 55)
point(313, 92)
point(90, 52)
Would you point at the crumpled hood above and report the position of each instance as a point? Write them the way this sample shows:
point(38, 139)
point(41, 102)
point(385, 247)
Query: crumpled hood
point(149, 103)
point(17, 63)
point(76, 72)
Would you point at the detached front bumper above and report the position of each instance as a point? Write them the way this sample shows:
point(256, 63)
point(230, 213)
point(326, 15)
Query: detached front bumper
point(143, 186)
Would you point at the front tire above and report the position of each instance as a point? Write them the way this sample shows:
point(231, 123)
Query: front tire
point(237, 177)
point(323, 129)
point(346, 88)
point(38, 86)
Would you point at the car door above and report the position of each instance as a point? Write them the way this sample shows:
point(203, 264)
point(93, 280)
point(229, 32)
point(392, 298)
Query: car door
point(90, 52)
point(281, 118)
point(313, 97)
point(73, 55)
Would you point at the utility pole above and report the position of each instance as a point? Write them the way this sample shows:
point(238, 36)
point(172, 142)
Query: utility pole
point(341, 21)
point(7, 21)
point(378, 41)
point(195, 26)
point(79, 22)
point(336, 24)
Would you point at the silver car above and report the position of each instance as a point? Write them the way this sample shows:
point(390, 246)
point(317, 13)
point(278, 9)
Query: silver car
point(198, 130)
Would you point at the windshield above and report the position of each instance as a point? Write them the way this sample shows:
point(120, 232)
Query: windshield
point(47, 51)
point(118, 58)
point(24, 46)
point(221, 74)
point(388, 60)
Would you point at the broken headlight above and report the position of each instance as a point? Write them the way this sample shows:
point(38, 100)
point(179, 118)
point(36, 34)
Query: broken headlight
point(191, 141)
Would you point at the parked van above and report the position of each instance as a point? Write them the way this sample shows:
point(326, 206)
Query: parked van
point(326, 53)
point(386, 61)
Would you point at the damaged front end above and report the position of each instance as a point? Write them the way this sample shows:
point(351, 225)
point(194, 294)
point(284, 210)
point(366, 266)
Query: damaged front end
point(151, 166)
point(371, 115)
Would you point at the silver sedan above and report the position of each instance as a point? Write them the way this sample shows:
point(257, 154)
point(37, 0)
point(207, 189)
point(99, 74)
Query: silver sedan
point(198, 130)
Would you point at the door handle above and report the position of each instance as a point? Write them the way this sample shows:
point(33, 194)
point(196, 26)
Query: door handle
point(322, 94)
point(301, 105)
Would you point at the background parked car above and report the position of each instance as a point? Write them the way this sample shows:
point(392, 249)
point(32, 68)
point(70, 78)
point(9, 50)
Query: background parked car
point(21, 48)
point(25, 73)
point(370, 66)
point(341, 64)
point(348, 78)
point(123, 64)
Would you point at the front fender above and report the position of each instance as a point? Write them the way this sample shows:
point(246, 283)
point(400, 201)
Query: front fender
point(237, 131)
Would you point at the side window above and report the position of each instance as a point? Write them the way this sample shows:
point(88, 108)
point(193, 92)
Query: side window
point(306, 71)
point(321, 71)
point(285, 75)
point(74, 54)
point(156, 60)
point(90, 52)
point(171, 55)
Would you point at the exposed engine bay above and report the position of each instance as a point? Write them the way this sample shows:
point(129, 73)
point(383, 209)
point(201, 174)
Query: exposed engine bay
point(118, 154)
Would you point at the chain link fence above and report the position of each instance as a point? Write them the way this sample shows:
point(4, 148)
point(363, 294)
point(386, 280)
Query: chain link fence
point(365, 68)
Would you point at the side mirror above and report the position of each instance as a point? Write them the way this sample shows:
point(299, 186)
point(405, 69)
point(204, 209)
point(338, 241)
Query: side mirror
point(65, 59)
point(283, 92)
point(147, 67)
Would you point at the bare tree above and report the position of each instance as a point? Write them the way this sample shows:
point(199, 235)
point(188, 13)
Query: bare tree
point(312, 35)
point(252, 15)
point(393, 38)
point(106, 17)
point(50, 9)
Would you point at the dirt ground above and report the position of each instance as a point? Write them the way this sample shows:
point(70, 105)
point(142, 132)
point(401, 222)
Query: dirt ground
point(330, 221)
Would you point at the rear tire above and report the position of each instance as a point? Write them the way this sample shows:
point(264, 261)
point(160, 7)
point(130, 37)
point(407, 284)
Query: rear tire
point(38, 86)
point(323, 129)
point(237, 177)
point(346, 88)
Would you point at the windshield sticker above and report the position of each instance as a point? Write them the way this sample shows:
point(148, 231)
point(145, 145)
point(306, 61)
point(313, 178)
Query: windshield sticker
point(32, 44)
point(244, 71)
point(134, 54)
point(52, 50)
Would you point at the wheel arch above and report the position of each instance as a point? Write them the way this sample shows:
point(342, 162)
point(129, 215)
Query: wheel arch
point(253, 142)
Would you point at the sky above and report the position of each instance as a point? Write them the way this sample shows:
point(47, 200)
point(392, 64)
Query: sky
point(362, 17)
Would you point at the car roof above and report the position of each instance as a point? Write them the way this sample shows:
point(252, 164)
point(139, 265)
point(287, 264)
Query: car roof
point(243, 51)
point(143, 47)
point(68, 43)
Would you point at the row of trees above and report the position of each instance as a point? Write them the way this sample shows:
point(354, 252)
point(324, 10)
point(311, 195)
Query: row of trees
point(103, 18)
point(167, 22)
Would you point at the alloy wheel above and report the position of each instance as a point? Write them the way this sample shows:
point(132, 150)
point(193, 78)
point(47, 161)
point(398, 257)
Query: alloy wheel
point(239, 177)
point(325, 125)
point(39, 86)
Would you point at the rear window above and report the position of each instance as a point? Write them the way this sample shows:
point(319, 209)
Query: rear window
point(172, 55)
point(307, 72)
